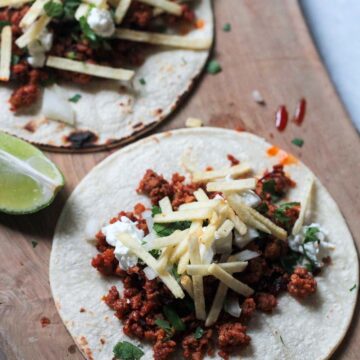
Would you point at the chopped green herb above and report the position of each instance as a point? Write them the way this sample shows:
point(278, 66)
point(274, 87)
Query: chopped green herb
point(227, 27)
point(311, 266)
point(70, 7)
point(75, 98)
point(15, 59)
point(353, 287)
point(165, 325)
point(124, 350)
point(4, 23)
point(280, 213)
point(174, 273)
point(269, 187)
point(213, 67)
point(155, 210)
point(174, 318)
point(34, 243)
point(199, 332)
point(282, 341)
point(262, 208)
point(142, 81)
point(290, 261)
point(54, 9)
point(71, 55)
point(155, 253)
point(298, 142)
point(310, 234)
point(87, 31)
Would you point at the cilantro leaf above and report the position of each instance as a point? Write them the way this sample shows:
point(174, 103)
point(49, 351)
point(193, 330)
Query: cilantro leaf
point(165, 325)
point(227, 27)
point(290, 261)
point(280, 215)
point(174, 273)
point(213, 67)
point(34, 244)
point(310, 235)
point(124, 350)
point(199, 332)
point(142, 81)
point(155, 253)
point(75, 98)
point(87, 31)
point(4, 23)
point(54, 9)
point(15, 59)
point(269, 187)
point(353, 287)
point(155, 210)
point(70, 7)
point(298, 142)
point(174, 318)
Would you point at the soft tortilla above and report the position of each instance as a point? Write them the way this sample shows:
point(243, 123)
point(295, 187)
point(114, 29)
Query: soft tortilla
point(114, 112)
point(297, 330)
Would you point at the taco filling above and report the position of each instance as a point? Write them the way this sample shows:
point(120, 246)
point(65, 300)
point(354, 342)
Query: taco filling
point(48, 40)
point(215, 247)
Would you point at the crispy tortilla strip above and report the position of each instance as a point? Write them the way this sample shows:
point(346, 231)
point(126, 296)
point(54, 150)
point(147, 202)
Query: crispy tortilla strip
point(175, 238)
point(5, 3)
point(186, 283)
point(275, 230)
point(163, 39)
point(168, 6)
point(230, 281)
point(33, 32)
point(235, 171)
point(36, 9)
point(89, 69)
point(165, 205)
point(200, 195)
point(230, 186)
point(149, 260)
point(241, 210)
point(5, 53)
point(121, 10)
point(198, 286)
point(185, 215)
point(304, 205)
point(203, 270)
point(209, 204)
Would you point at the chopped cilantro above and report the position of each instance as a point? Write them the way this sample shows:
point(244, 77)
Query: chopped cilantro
point(269, 187)
point(298, 142)
point(142, 81)
point(311, 266)
point(15, 59)
point(54, 9)
point(165, 325)
point(4, 23)
point(155, 210)
point(70, 7)
point(174, 318)
point(280, 215)
point(213, 67)
point(310, 234)
point(71, 55)
point(87, 31)
point(124, 350)
point(75, 98)
point(262, 208)
point(353, 287)
point(174, 273)
point(34, 243)
point(199, 332)
point(155, 253)
point(227, 27)
point(281, 339)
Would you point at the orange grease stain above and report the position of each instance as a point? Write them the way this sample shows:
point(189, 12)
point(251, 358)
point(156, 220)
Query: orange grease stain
point(200, 23)
point(288, 159)
point(272, 151)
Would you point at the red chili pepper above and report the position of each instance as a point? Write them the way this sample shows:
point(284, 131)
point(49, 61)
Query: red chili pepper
point(281, 118)
point(300, 112)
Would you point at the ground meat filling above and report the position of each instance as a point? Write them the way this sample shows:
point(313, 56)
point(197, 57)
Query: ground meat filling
point(142, 301)
point(69, 42)
point(302, 283)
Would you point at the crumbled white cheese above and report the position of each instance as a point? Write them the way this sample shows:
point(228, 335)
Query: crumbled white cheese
point(256, 95)
point(242, 240)
point(39, 47)
point(126, 258)
point(101, 22)
point(315, 250)
point(250, 198)
point(232, 306)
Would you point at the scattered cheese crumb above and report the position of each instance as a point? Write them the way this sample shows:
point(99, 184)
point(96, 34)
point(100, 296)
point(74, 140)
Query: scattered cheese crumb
point(258, 97)
point(193, 122)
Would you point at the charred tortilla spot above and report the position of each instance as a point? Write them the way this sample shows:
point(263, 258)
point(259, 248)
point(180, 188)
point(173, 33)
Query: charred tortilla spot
point(44, 321)
point(30, 126)
point(102, 341)
point(140, 124)
point(82, 310)
point(158, 111)
point(81, 139)
point(72, 349)
point(227, 120)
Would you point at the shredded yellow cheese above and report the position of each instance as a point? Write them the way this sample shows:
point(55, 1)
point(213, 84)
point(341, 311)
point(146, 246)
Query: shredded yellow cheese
point(234, 171)
point(33, 32)
point(163, 39)
point(5, 3)
point(165, 205)
point(89, 69)
point(185, 215)
point(193, 122)
point(121, 10)
point(175, 238)
point(168, 6)
point(36, 9)
point(231, 186)
point(186, 283)
point(203, 270)
point(5, 53)
point(200, 195)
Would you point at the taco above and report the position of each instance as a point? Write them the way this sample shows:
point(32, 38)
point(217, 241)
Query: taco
point(208, 242)
point(95, 73)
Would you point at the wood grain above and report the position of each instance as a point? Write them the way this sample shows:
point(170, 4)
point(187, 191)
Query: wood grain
point(268, 49)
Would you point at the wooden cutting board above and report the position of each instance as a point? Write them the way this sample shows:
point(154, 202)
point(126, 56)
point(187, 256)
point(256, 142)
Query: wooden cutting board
point(268, 49)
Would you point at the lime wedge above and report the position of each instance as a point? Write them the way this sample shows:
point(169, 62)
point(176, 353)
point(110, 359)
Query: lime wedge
point(29, 181)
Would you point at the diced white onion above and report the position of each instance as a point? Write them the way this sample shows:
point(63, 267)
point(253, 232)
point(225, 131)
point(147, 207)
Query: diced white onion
point(232, 306)
point(224, 245)
point(242, 240)
point(150, 273)
point(246, 255)
point(206, 254)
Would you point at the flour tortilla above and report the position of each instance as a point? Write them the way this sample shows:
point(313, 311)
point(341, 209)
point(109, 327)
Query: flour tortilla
point(113, 113)
point(311, 329)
